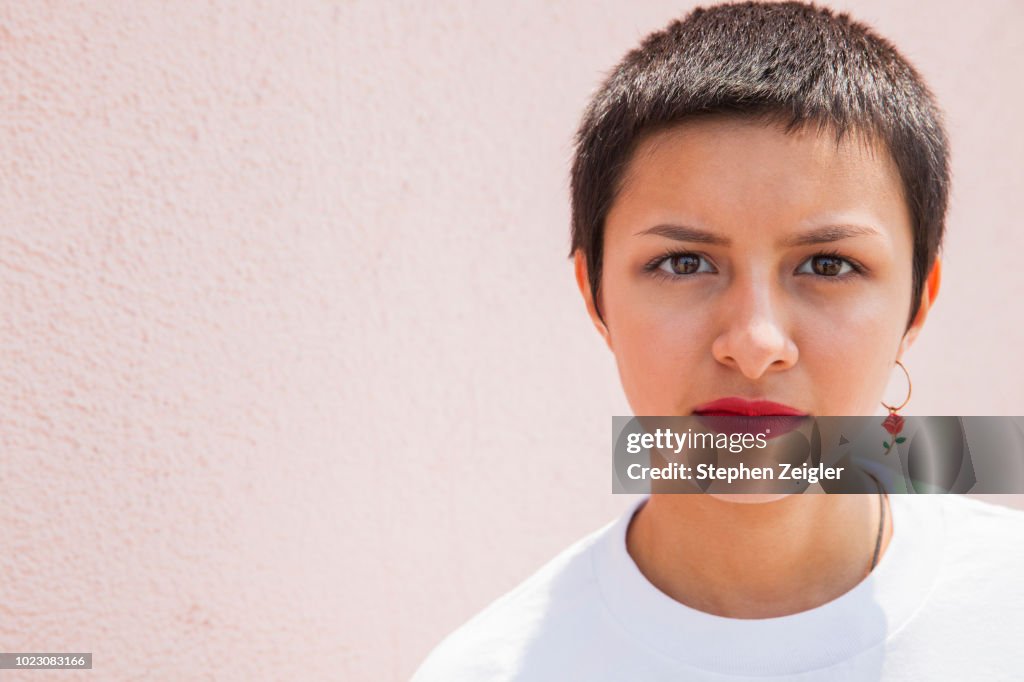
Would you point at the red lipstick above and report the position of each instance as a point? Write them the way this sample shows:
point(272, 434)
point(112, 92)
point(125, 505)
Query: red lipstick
point(740, 407)
point(750, 416)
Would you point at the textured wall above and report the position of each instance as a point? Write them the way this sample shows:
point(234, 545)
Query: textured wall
point(294, 374)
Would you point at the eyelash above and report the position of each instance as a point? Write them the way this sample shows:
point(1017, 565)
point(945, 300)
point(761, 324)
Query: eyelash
point(653, 266)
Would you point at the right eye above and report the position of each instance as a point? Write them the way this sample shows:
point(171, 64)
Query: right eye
point(684, 264)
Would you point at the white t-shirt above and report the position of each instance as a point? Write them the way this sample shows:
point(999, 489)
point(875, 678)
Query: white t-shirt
point(945, 602)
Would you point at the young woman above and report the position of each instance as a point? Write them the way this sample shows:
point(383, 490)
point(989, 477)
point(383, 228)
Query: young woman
point(759, 193)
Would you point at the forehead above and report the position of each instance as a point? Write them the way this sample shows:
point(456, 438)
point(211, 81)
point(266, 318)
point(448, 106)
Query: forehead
point(734, 171)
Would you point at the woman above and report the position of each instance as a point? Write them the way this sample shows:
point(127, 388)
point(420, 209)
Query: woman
point(759, 194)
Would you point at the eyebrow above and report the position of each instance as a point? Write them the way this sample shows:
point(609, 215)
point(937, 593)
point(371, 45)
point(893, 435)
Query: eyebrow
point(685, 233)
point(821, 235)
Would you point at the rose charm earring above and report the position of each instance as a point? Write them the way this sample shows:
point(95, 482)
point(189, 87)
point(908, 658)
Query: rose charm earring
point(894, 422)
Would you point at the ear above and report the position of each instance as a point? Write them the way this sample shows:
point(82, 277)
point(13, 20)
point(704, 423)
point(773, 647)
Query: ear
point(583, 282)
point(928, 294)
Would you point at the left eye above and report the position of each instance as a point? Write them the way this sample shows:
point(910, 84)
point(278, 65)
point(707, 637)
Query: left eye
point(826, 266)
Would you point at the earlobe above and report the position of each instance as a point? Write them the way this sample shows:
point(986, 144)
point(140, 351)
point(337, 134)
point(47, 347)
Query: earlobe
point(583, 283)
point(929, 292)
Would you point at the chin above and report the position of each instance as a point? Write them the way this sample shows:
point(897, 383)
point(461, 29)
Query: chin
point(749, 498)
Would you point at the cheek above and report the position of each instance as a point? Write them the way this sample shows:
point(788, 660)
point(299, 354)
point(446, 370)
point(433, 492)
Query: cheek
point(846, 350)
point(658, 349)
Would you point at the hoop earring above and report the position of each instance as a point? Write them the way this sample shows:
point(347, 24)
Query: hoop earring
point(894, 422)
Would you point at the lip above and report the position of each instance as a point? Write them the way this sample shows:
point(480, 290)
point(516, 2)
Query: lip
point(739, 415)
point(741, 407)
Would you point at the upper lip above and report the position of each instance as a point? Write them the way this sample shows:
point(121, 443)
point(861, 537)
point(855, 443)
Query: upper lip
point(744, 407)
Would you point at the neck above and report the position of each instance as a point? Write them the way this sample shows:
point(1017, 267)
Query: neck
point(759, 560)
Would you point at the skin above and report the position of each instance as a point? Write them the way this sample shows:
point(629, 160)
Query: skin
point(760, 320)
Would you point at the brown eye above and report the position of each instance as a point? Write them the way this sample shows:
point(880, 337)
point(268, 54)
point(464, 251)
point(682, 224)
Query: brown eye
point(685, 264)
point(826, 266)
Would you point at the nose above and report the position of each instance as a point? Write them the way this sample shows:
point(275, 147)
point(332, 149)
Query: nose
point(754, 338)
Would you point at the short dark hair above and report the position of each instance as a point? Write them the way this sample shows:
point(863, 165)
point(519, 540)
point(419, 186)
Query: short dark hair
point(793, 62)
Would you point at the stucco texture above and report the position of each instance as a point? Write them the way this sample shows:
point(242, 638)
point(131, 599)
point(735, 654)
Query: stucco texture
point(295, 377)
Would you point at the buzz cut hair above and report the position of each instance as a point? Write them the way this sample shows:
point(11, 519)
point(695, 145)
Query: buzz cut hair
point(794, 63)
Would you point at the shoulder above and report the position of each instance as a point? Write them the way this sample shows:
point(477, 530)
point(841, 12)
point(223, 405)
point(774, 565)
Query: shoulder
point(983, 542)
point(537, 621)
point(969, 516)
point(977, 578)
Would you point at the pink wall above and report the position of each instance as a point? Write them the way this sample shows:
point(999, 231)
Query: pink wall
point(295, 376)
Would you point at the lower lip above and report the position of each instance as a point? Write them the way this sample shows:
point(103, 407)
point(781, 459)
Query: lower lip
point(771, 425)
